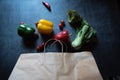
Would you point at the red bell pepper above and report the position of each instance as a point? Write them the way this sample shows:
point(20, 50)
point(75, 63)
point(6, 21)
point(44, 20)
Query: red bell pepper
point(63, 36)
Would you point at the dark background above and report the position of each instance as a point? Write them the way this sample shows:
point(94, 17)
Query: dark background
point(103, 15)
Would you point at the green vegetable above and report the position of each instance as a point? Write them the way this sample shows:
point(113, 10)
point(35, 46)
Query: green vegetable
point(84, 32)
point(25, 31)
point(74, 18)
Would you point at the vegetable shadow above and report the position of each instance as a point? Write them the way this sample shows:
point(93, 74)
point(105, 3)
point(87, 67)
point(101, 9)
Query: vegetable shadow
point(29, 43)
point(46, 37)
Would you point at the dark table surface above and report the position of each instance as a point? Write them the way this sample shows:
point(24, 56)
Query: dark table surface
point(103, 15)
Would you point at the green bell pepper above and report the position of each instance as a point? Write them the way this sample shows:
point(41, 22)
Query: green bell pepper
point(25, 31)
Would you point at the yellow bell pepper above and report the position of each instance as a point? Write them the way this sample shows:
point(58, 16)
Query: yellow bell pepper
point(44, 26)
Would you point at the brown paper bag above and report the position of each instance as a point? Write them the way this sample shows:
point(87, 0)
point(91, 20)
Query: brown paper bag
point(56, 66)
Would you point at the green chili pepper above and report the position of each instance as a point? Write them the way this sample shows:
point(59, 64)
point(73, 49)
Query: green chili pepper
point(26, 31)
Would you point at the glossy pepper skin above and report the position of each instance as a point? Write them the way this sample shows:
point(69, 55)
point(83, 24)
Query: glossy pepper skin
point(63, 36)
point(47, 5)
point(25, 31)
point(44, 26)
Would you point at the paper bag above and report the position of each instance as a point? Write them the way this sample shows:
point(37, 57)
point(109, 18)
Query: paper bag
point(56, 66)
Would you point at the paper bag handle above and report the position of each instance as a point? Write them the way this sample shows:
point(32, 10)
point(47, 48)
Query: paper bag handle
point(60, 42)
